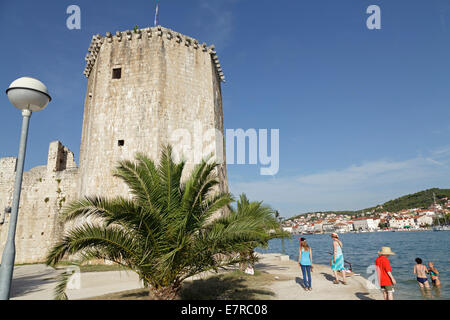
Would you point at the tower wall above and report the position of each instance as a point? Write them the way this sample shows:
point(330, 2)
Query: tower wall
point(169, 84)
point(45, 190)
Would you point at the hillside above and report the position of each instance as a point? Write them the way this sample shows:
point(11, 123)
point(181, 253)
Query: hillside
point(422, 199)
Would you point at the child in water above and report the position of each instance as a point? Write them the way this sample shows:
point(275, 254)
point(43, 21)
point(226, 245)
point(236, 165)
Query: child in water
point(434, 273)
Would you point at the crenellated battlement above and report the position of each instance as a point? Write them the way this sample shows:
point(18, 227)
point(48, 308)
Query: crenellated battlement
point(148, 33)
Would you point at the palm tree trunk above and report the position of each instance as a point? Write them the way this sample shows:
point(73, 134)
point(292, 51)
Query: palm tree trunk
point(242, 264)
point(171, 292)
point(249, 258)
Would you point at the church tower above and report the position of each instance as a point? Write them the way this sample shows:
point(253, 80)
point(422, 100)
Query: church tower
point(148, 88)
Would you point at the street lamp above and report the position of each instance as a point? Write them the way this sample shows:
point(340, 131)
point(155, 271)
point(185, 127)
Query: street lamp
point(26, 94)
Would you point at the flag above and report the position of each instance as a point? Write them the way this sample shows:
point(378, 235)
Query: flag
point(156, 14)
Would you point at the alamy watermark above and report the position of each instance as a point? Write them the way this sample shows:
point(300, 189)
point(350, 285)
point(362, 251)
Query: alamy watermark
point(374, 20)
point(74, 20)
point(257, 146)
point(198, 143)
point(372, 282)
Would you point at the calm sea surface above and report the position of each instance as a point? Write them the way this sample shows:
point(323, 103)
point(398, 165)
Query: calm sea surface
point(361, 250)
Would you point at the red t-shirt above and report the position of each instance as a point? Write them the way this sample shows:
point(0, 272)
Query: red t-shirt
point(383, 267)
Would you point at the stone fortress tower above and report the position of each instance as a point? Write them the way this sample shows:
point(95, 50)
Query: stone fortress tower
point(146, 88)
point(143, 86)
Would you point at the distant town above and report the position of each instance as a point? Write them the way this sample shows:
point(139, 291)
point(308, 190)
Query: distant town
point(370, 221)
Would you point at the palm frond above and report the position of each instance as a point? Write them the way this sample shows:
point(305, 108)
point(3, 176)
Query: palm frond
point(119, 244)
point(60, 289)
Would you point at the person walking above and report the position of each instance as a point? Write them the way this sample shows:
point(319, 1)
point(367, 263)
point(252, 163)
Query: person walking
point(421, 271)
point(384, 272)
point(305, 262)
point(337, 263)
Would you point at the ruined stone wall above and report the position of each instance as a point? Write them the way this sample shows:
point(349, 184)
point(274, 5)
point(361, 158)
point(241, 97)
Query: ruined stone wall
point(168, 82)
point(45, 190)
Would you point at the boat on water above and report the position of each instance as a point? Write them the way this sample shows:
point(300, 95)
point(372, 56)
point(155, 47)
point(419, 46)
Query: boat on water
point(441, 228)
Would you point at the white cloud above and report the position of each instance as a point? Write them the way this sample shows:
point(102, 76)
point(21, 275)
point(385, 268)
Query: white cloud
point(355, 187)
point(442, 151)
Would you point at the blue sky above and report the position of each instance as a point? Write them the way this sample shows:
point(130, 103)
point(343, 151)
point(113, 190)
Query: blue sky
point(363, 114)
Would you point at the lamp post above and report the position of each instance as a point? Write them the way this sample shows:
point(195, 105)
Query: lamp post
point(29, 95)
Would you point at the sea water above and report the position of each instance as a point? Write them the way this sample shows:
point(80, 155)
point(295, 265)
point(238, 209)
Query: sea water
point(360, 249)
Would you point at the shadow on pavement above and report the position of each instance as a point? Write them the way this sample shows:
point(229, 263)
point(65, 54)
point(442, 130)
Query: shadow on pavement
point(31, 279)
point(261, 266)
point(363, 296)
point(300, 281)
point(28, 284)
point(220, 288)
point(328, 276)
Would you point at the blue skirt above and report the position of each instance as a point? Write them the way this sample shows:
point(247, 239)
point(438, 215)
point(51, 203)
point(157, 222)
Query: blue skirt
point(339, 264)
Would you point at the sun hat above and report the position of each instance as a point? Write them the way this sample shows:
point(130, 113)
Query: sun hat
point(386, 251)
point(334, 235)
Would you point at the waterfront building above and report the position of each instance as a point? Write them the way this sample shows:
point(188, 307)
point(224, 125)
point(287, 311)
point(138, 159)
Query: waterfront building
point(343, 227)
point(318, 226)
point(401, 223)
point(329, 227)
point(365, 224)
point(423, 220)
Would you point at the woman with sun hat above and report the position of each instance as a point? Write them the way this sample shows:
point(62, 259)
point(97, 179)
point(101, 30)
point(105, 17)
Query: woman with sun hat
point(337, 264)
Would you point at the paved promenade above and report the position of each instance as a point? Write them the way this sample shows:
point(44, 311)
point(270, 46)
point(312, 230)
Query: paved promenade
point(290, 285)
point(37, 282)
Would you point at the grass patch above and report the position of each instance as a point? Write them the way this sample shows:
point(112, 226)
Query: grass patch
point(92, 267)
point(101, 268)
point(84, 268)
point(234, 285)
point(27, 264)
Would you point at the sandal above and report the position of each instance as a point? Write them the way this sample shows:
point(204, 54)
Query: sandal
point(344, 282)
point(336, 282)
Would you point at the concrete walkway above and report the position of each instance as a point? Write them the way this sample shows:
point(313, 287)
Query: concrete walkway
point(33, 282)
point(290, 283)
point(37, 282)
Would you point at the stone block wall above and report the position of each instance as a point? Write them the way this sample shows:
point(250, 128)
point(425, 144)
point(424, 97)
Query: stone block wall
point(45, 190)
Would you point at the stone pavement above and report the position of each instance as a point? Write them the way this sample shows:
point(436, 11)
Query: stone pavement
point(37, 282)
point(290, 285)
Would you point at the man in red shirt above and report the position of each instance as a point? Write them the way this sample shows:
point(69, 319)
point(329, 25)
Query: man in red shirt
point(385, 277)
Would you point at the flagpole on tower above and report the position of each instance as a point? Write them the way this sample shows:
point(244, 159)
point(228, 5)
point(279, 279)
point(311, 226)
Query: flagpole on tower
point(157, 13)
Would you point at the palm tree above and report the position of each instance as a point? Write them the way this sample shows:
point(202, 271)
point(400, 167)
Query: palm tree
point(165, 232)
point(265, 224)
